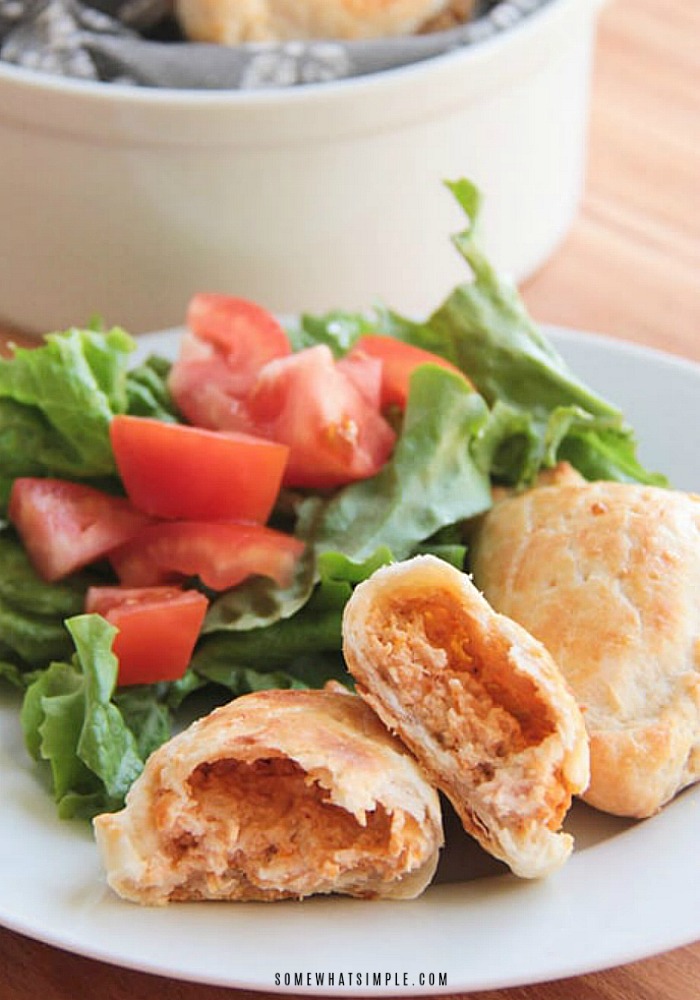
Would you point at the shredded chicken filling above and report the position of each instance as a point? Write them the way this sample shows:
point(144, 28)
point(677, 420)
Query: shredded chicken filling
point(461, 683)
point(267, 822)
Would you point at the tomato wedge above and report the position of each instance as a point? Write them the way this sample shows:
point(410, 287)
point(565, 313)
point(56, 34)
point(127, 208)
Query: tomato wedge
point(334, 434)
point(236, 372)
point(247, 334)
point(158, 628)
point(175, 471)
point(399, 361)
point(230, 340)
point(222, 554)
point(365, 372)
point(205, 389)
point(64, 525)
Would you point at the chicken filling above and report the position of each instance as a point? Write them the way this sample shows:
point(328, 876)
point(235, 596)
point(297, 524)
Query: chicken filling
point(472, 702)
point(268, 823)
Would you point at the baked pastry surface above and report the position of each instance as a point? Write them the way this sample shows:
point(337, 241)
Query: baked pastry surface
point(231, 22)
point(607, 576)
point(279, 794)
point(479, 702)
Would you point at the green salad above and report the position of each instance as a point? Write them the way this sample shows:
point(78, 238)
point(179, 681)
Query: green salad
point(519, 410)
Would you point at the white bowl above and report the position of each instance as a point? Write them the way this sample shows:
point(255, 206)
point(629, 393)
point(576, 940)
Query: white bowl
point(123, 201)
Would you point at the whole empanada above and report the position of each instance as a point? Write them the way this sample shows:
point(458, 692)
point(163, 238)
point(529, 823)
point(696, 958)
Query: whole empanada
point(607, 576)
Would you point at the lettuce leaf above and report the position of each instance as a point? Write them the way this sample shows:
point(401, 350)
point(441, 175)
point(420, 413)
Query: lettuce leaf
point(10, 672)
point(23, 588)
point(73, 385)
point(32, 613)
point(57, 401)
point(70, 722)
point(34, 640)
point(147, 390)
point(298, 652)
point(303, 650)
point(433, 479)
point(540, 412)
point(146, 715)
point(259, 601)
point(338, 330)
point(484, 328)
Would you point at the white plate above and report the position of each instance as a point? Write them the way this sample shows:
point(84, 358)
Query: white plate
point(629, 891)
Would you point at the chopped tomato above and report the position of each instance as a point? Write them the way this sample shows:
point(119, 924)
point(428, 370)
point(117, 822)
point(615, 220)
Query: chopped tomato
point(221, 554)
point(230, 340)
point(334, 434)
point(158, 628)
point(65, 525)
point(247, 334)
point(171, 470)
point(236, 372)
point(365, 373)
point(207, 391)
point(399, 361)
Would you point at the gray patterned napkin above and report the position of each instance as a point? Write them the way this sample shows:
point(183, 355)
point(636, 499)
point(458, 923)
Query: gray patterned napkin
point(137, 42)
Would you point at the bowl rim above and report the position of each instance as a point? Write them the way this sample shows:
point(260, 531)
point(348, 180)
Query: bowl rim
point(109, 92)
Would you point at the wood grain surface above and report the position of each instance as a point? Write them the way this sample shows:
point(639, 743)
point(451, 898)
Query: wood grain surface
point(630, 265)
point(629, 268)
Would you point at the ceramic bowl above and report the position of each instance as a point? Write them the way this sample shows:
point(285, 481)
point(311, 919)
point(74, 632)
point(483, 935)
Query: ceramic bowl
point(122, 201)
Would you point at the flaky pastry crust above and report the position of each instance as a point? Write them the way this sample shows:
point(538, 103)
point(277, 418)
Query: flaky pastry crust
point(279, 794)
point(478, 701)
point(607, 576)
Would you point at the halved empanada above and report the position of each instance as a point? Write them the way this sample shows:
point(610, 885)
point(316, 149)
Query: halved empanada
point(279, 794)
point(479, 702)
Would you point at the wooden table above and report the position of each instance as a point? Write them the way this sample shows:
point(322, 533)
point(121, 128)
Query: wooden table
point(629, 269)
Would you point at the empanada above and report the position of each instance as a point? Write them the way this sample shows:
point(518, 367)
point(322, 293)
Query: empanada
point(279, 794)
point(478, 701)
point(230, 22)
point(607, 576)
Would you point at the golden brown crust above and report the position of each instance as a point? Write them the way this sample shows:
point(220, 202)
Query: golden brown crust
point(477, 700)
point(279, 794)
point(607, 576)
point(231, 22)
